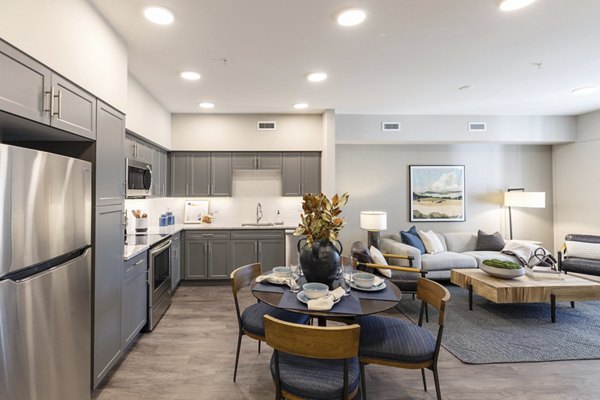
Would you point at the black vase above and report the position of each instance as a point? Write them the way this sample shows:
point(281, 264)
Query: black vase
point(320, 262)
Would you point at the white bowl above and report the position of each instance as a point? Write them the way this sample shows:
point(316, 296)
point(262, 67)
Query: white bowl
point(315, 290)
point(282, 272)
point(363, 279)
point(503, 273)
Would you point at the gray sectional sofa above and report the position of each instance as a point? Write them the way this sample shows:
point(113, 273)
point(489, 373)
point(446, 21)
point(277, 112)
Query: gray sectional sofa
point(460, 252)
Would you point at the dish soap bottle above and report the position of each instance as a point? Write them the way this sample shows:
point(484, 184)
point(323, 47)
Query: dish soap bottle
point(278, 220)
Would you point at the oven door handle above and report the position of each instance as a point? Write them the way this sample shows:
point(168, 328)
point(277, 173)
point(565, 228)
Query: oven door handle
point(161, 248)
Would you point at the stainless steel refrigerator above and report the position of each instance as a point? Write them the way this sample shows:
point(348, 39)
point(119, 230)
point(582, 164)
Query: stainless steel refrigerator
point(45, 273)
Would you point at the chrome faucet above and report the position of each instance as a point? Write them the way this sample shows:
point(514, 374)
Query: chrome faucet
point(259, 213)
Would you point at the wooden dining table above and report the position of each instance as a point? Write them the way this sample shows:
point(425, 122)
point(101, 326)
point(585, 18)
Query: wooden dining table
point(364, 303)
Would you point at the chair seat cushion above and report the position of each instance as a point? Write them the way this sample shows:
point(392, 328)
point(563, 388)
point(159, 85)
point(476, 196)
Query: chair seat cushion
point(395, 340)
point(313, 378)
point(581, 265)
point(252, 317)
point(447, 261)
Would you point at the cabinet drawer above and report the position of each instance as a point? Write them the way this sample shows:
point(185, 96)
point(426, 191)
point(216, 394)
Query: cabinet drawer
point(135, 266)
point(257, 234)
point(207, 234)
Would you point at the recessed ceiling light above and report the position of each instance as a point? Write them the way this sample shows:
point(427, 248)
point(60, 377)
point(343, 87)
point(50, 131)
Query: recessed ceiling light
point(300, 106)
point(351, 17)
point(206, 105)
point(317, 76)
point(190, 75)
point(158, 15)
point(511, 5)
point(585, 90)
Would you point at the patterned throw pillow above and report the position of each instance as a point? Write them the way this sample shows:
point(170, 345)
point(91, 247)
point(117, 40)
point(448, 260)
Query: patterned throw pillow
point(378, 258)
point(432, 242)
point(411, 238)
point(489, 242)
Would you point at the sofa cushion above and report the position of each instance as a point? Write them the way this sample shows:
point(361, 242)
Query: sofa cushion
point(447, 261)
point(411, 238)
point(581, 265)
point(380, 259)
point(459, 242)
point(489, 242)
point(583, 238)
point(583, 249)
point(481, 256)
point(432, 242)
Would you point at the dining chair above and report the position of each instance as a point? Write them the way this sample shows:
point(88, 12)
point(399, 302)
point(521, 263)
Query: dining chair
point(250, 321)
point(313, 362)
point(400, 343)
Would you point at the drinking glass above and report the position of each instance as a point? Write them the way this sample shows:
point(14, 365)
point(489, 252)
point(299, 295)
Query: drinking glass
point(293, 277)
point(345, 274)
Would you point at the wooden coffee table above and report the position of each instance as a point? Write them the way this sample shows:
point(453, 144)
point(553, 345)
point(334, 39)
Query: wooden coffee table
point(525, 289)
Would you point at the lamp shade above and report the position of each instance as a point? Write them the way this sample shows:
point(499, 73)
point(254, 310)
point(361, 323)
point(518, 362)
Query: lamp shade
point(373, 220)
point(525, 199)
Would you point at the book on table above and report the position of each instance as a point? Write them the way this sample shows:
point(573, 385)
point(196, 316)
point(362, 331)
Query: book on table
point(543, 273)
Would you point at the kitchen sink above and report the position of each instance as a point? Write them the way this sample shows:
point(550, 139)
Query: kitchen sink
point(258, 224)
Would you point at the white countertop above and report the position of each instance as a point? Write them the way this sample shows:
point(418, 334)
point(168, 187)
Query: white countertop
point(133, 250)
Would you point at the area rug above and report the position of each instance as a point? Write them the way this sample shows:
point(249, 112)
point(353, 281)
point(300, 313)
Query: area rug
point(501, 333)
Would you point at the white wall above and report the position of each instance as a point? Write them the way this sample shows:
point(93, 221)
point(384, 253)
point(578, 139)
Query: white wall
point(576, 168)
point(237, 132)
point(418, 129)
point(70, 37)
point(377, 178)
point(328, 155)
point(146, 116)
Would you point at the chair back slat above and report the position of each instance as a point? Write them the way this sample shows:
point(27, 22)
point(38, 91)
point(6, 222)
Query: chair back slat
point(243, 276)
point(335, 342)
point(434, 294)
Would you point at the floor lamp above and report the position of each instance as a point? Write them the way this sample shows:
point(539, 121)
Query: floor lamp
point(373, 222)
point(518, 197)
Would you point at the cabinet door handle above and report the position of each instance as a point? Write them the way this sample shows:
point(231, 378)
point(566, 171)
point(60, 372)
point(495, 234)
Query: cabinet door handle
point(208, 188)
point(259, 249)
point(186, 189)
point(51, 105)
point(139, 262)
point(205, 248)
point(59, 104)
point(256, 248)
point(209, 249)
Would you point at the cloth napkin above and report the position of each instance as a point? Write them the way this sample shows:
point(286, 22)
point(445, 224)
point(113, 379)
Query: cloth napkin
point(325, 303)
point(276, 280)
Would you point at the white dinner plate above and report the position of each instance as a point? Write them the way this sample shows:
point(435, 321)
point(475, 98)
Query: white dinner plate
point(303, 299)
point(371, 289)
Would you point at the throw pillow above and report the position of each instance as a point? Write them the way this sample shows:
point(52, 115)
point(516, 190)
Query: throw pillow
point(489, 242)
point(378, 258)
point(361, 253)
point(583, 250)
point(411, 238)
point(432, 242)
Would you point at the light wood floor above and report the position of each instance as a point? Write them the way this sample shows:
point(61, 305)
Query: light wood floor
point(191, 353)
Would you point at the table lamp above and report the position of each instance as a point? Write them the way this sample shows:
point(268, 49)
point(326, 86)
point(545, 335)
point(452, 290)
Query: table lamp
point(373, 222)
point(518, 197)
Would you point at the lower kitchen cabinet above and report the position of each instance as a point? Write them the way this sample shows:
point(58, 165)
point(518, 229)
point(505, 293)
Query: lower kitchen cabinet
point(134, 299)
point(207, 255)
point(264, 246)
point(175, 261)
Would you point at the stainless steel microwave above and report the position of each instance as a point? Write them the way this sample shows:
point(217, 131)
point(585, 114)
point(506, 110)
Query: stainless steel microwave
point(139, 178)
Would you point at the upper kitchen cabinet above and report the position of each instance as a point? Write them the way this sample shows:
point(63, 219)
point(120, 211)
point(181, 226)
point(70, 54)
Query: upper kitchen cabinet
point(139, 149)
point(110, 167)
point(200, 174)
point(301, 173)
point(30, 90)
point(263, 161)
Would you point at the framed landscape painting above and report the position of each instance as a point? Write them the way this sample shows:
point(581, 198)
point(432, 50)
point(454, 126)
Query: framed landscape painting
point(437, 193)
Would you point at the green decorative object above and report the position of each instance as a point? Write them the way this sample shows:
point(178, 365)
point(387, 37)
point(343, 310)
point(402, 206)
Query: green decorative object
point(502, 264)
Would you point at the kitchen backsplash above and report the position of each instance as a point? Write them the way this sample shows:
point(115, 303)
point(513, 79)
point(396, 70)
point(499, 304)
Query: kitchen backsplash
point(249, 188)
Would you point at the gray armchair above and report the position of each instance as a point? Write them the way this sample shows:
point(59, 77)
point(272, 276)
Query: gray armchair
point(581, 262)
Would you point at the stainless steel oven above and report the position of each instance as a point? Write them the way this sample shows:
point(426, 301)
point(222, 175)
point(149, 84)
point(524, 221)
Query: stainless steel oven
point(159, 282)
point(139, 178)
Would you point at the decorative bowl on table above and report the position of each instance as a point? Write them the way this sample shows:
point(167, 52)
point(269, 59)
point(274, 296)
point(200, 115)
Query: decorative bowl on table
point(315, 290)
point(282, 272)
point(363, 279)
point(502, 269)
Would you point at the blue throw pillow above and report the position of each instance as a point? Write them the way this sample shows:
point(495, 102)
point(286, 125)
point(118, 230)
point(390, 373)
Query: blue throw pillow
point(411, 238)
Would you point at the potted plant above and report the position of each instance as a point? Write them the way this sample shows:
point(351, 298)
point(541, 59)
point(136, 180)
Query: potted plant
point(321, 226)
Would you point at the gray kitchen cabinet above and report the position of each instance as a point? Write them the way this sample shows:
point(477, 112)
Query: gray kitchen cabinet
point(220, 174)
point(129, 148)
point(163, 173)
point(207, 255)
point(134, 304)
point(175, 261)
point(178, 174)
point(110, 166)
point(263, 161)
point(108, 266)
point(198, 174)
point(264, 246)
point(24, 85)
point(301, 173)
point(75, 109)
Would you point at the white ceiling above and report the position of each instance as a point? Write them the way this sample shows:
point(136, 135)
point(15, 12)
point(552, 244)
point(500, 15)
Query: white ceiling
point(409, 57)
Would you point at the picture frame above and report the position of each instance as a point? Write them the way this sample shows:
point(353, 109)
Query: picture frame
point(437, 193)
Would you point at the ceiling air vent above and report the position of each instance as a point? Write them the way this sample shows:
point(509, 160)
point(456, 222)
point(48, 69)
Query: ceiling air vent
point(266, 126)
point(390, 126)
point(477, 126)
